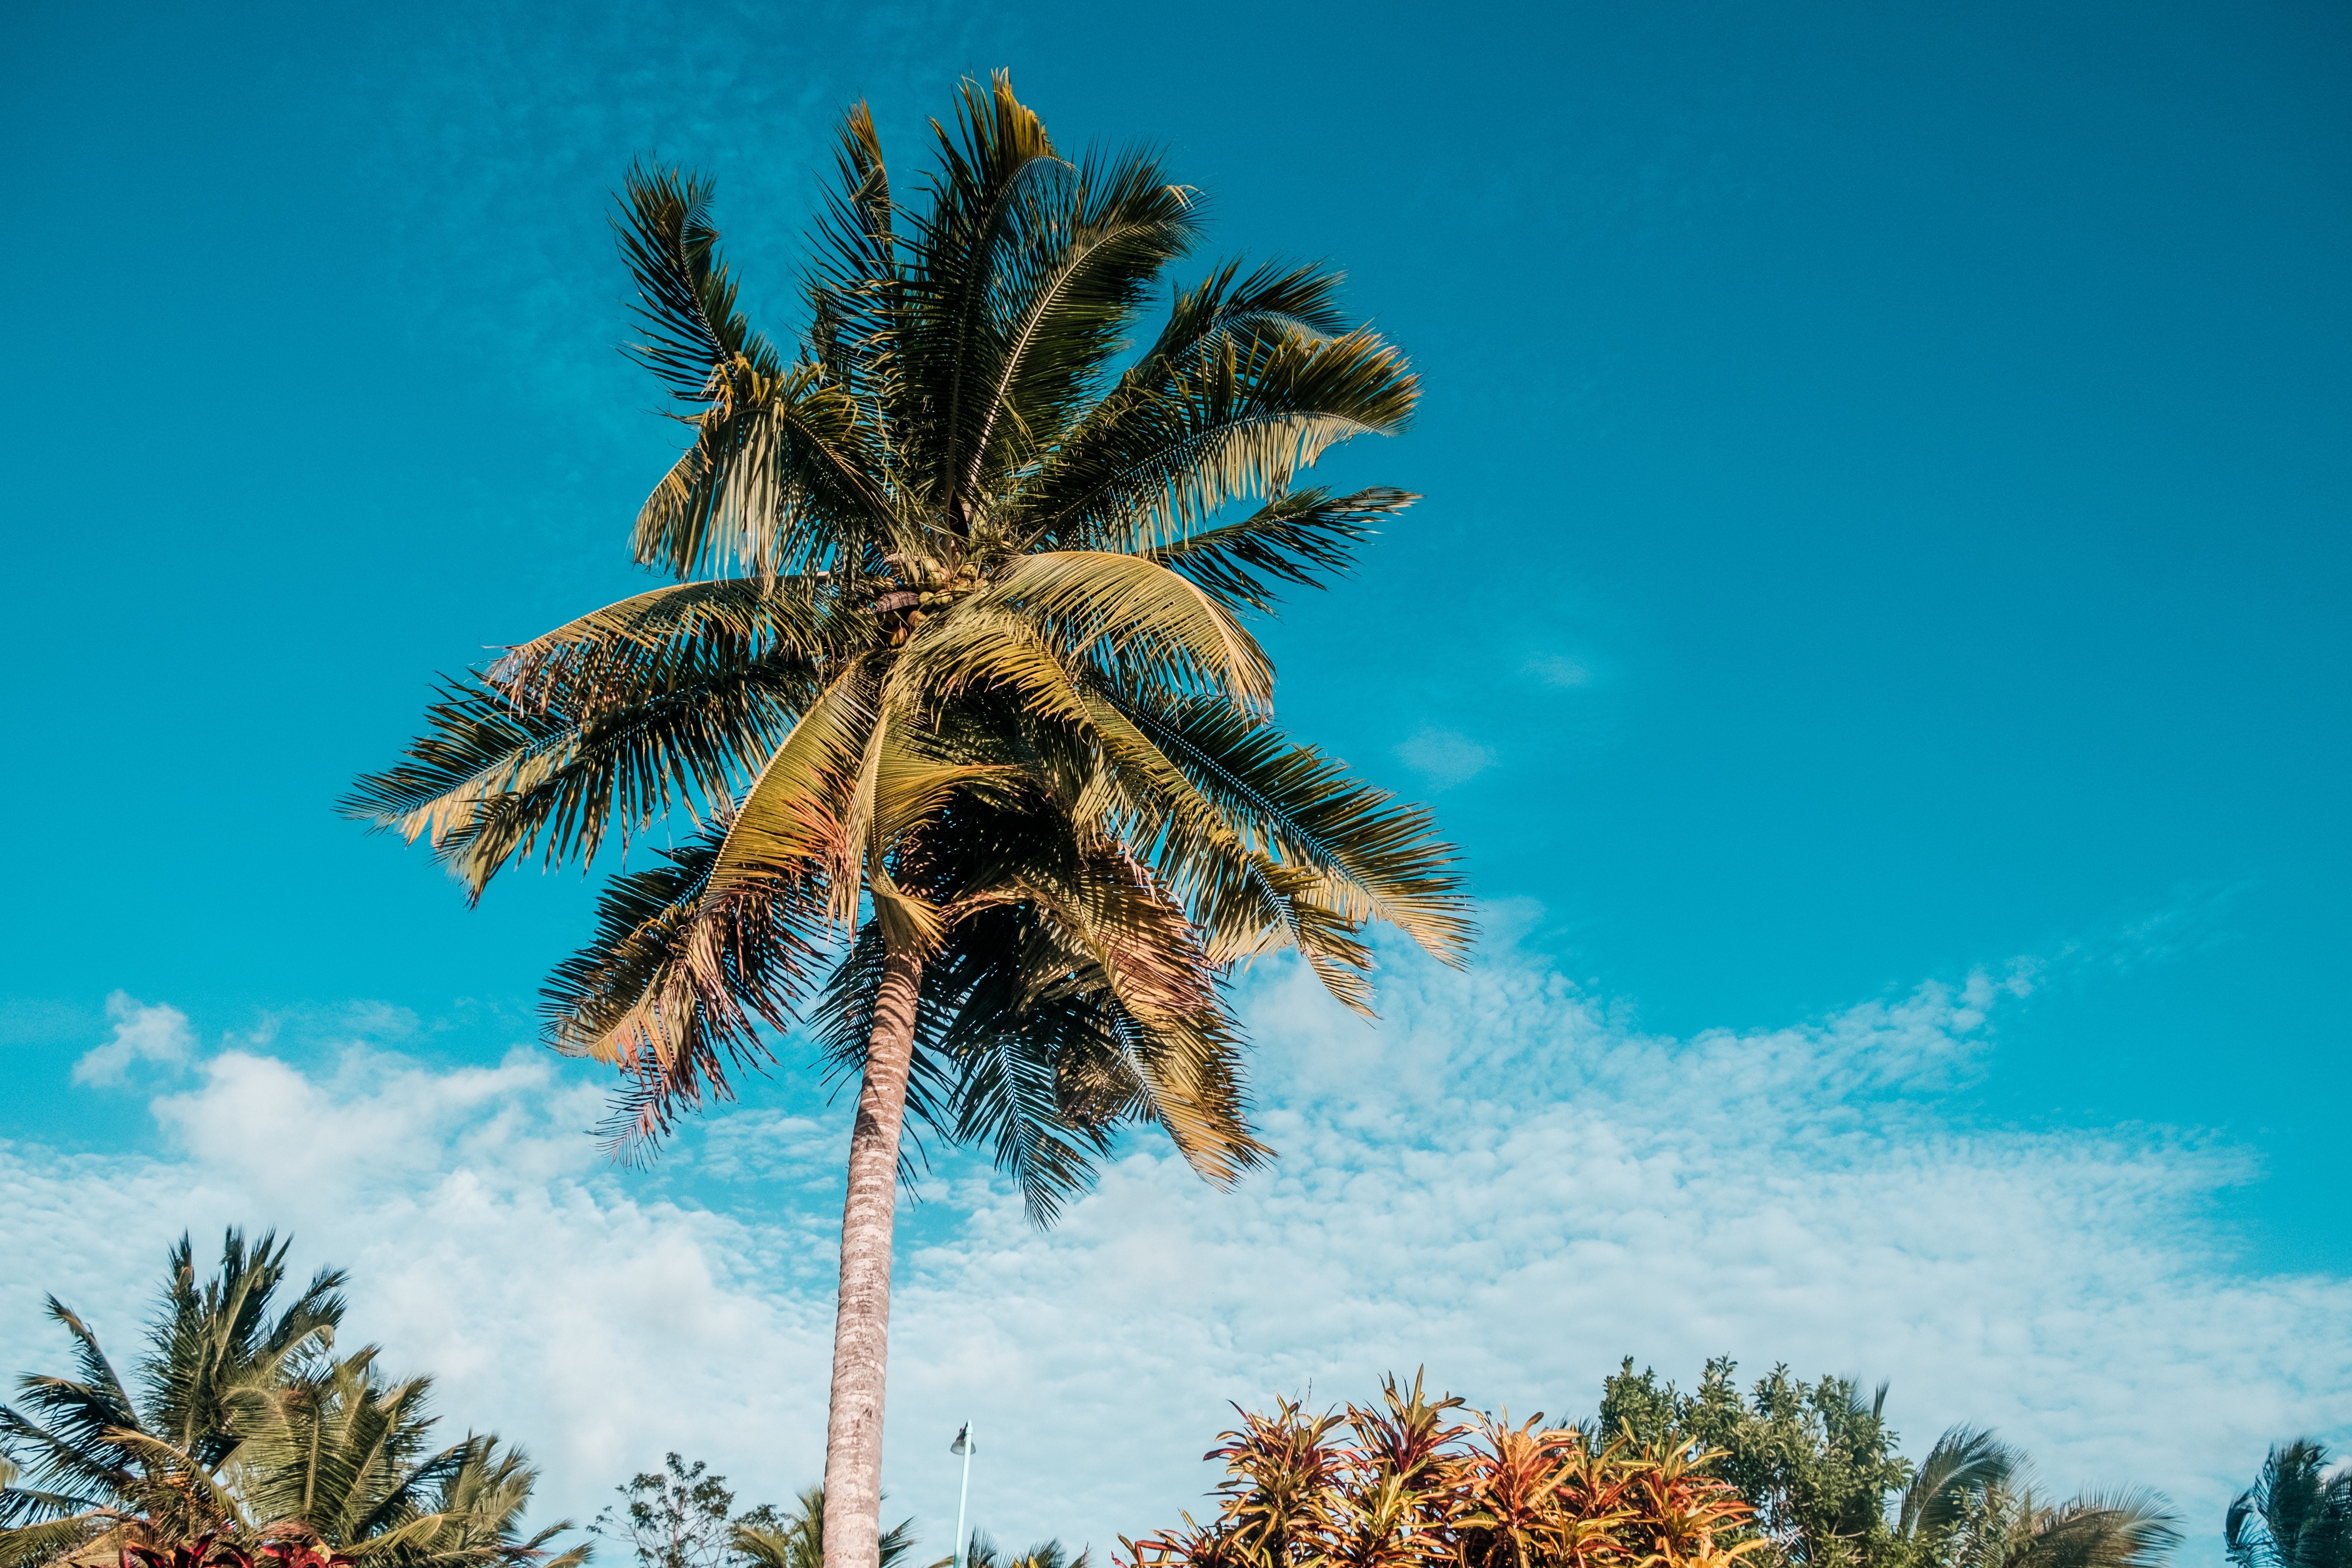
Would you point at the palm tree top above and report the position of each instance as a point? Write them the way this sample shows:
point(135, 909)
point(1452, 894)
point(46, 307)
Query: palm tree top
point(958, 391)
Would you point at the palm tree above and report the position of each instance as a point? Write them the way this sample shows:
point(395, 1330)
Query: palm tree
point(238, 1428)
point(2297, 1514)
point(2011, 1528)
point(343, 1459)
point(103, 1465)
point(797, 1539)
point(1948, 1488)
point(982, 1551)
point(1970, 1504)
point(957, 662)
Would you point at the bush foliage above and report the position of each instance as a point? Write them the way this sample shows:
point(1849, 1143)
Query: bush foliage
point(1408, 1484)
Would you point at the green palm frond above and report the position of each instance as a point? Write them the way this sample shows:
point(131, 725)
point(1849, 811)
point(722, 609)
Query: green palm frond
point(1237, 421)
point(54, 1540)
point(685, 295)
point(1964, 1465)
point(1302, 538)
point(1082, 258)
point(1136, 622)
point(854, 303)
point(618, 656)
point(2297, 1514)
point(220, 1337)
point(676, 981)
point(984, 204)
point(1380, 858)
point(490, 783)
point(2132, 1528)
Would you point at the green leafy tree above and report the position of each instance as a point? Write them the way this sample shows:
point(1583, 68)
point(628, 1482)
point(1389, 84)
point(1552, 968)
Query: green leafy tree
point(241, 1430)
point(2297, 1514)
point(679, 1516)
point(959, 661)
point(1829, 1486)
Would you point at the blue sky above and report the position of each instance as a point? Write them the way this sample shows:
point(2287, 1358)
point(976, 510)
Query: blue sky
point(1887, 481)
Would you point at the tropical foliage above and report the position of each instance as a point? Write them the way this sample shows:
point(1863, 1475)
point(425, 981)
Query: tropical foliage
point(1826, 1480)
point(682, 1516)
point(958, 685)
point(796, 1538)
point(241, 1434)
point(1406, 1484)
point(2297, 1514)
point(982, 1551)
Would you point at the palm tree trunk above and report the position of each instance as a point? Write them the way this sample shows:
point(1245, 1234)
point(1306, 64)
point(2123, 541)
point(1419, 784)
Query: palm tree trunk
point(861, 1327)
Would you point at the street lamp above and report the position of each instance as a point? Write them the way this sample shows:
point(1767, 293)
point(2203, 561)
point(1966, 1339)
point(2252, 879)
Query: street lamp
point(964, 1444)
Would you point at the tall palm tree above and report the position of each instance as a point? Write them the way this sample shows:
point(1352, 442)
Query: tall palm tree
point(957, 661)
point(2297, 1514)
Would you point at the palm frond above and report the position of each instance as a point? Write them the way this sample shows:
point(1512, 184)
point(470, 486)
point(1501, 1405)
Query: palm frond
point(1136, 621)
point(1078, 269)
point(989, 164)
point(1301, 537)
point(1238, 419)
point(1379, 856)
point(676, 980)
point(612, 658)
point(778, 476)
point(2132, 1528)
point(1962, 1466)
point(685, 295)
point(853, 286)
point(490, 783)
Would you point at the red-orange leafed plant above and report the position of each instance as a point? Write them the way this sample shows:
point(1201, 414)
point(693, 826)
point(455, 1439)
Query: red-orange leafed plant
point(1404, 1485)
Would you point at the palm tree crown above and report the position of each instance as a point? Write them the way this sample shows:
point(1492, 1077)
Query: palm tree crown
point(2297, 1514)
point(241, 1428)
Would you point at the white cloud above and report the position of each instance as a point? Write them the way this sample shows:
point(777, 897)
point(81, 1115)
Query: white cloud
point(1445, 757)
point(1504, 1182)
point(141, 1033)
point(1557, 669)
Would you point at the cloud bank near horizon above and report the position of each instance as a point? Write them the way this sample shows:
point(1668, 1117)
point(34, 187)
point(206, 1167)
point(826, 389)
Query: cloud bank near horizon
point(1506, 1182)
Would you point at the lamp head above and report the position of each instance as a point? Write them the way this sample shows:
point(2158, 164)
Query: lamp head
point(964, 1443)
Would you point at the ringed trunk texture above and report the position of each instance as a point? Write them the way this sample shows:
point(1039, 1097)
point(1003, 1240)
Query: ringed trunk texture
point(861, 1327)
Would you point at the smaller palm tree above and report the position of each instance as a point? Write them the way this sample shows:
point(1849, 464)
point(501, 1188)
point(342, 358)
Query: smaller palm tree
point(344, 1459)
point(1949, 1485)
point(982, 1551)
point(2009, 1527)
point(241, 1433)
point(796, 1538)
point(100, 1467)
point(2297, 1514)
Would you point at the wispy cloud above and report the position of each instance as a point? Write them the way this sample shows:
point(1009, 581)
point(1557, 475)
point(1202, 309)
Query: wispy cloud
point(1445, 757)
point(141, 1033)
point(1504, 1181)
point(1555, 669)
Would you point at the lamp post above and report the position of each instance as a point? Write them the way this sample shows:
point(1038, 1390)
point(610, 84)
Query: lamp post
point(964, 1444)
